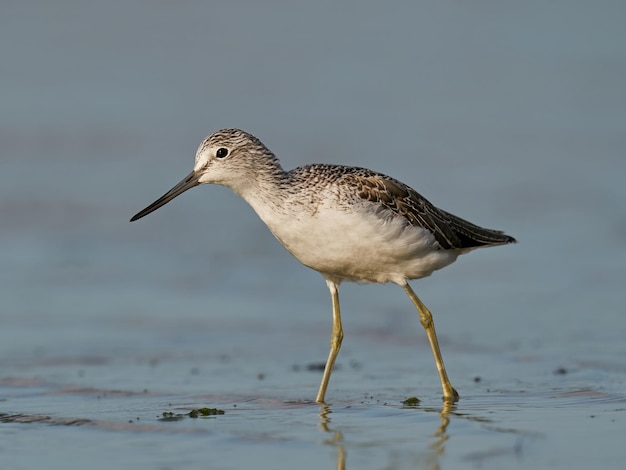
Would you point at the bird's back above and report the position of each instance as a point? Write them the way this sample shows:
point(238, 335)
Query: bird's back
point(393, 197)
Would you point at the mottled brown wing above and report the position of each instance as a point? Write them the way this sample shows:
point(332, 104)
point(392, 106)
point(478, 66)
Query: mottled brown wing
point(450, 231)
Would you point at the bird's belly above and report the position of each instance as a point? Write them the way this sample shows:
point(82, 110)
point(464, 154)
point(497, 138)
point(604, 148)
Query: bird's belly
point(362, 247)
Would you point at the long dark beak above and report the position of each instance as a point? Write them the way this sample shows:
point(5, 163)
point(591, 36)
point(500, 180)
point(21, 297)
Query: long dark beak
point(188, 182)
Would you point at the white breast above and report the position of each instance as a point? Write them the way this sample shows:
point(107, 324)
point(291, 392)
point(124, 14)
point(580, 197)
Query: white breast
point(356, 243)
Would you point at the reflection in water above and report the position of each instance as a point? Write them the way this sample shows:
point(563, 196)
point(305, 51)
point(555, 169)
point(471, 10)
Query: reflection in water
point(437, 447)
point(441, 435)
point(336, 440)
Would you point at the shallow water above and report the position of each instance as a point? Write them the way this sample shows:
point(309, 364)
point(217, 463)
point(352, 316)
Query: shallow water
point(510, 116)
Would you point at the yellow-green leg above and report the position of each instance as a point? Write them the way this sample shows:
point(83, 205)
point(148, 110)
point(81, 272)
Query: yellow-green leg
point(426, 318)
point(335, 341)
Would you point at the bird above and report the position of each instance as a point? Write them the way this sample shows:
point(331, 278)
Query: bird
point(350, 224)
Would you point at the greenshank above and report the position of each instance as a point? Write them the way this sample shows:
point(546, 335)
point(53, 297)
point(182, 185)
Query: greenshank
point(347, 223)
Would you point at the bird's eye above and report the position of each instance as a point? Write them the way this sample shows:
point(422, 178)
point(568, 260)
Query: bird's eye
point(221, 152)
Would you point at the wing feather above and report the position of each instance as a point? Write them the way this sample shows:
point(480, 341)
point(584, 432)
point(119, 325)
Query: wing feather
point(450, 231)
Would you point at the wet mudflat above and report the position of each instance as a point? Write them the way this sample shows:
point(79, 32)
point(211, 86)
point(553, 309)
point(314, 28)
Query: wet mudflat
point(122, 407)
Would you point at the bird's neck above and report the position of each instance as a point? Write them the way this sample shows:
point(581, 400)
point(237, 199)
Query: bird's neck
point(264, 191)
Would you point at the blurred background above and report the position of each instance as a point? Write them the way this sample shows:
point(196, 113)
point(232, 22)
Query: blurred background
point(509, 114)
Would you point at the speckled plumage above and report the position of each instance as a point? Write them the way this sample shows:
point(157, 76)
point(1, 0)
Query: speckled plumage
point(348, 223)
point(450, 231)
